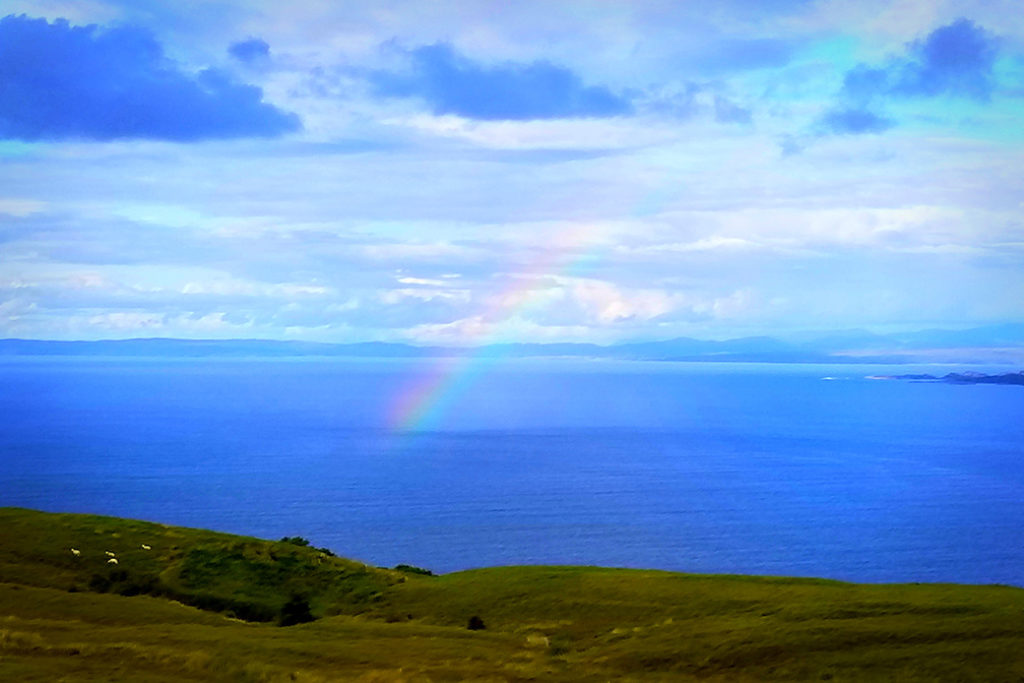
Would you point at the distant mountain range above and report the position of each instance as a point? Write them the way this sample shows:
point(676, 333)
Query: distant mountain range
point(990, 344)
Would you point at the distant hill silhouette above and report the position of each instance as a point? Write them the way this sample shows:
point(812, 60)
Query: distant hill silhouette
point(978, 344)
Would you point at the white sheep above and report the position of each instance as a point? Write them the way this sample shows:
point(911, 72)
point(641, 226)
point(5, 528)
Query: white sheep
point(110, 554)
point(146, 547)
point(112, 560)
point(76, 552)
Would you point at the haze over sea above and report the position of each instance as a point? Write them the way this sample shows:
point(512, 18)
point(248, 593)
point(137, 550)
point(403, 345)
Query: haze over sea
point(700, 467)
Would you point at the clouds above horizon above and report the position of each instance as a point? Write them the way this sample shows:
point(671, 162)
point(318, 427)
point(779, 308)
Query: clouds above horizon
point(83, 82)
point(444, 173)
point(451, 83)
point(955, 60)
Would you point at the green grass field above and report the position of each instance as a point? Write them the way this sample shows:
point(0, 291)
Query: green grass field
point(199, 605)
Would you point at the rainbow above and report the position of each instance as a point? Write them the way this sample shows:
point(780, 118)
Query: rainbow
point(424, 403)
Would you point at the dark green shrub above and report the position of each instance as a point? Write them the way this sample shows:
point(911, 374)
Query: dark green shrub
point(558, 647)
point(99, 583)
point(410, 569)
point(476, 623)
point(295, 611)
point(138, 585)
point(295, 540)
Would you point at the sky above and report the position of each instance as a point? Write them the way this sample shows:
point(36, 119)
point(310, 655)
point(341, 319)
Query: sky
point(463, 173)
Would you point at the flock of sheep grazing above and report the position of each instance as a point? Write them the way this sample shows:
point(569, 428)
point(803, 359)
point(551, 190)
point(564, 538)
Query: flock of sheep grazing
point(111, 556)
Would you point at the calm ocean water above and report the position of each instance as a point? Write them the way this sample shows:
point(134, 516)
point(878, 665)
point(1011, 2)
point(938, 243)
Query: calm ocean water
point(725, 468)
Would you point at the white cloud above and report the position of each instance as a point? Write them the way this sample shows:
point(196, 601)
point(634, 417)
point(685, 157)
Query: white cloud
point(571, 134)
point(126, 321)
point(421, 281)
point(608, 304)
point(736, 305)
point(90, 281)
point(209, 323)
point(13, 309)
point(711, 243)
point(233, 287)
point(464, 331)
point(20, 207)
point(394, 296)
point(412, 251)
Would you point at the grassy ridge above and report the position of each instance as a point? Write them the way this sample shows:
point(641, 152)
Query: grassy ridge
point(247, 578)
point(542, 623)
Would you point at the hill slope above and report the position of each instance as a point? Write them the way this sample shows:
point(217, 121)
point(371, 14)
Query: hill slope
point(541, 623)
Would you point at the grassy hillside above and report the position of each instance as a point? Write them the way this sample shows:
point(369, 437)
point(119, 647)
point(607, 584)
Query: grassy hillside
point(244, 577)
point(79, 617)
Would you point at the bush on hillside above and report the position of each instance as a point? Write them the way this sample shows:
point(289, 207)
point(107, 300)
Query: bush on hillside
point(123, 582)
point(295, 611)
point(295, 540)
point(410, 569)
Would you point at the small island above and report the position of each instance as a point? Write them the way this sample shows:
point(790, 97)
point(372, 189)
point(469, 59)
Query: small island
point(961, 378)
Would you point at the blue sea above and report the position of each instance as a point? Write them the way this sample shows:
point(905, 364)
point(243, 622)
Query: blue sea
point(721, 468)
